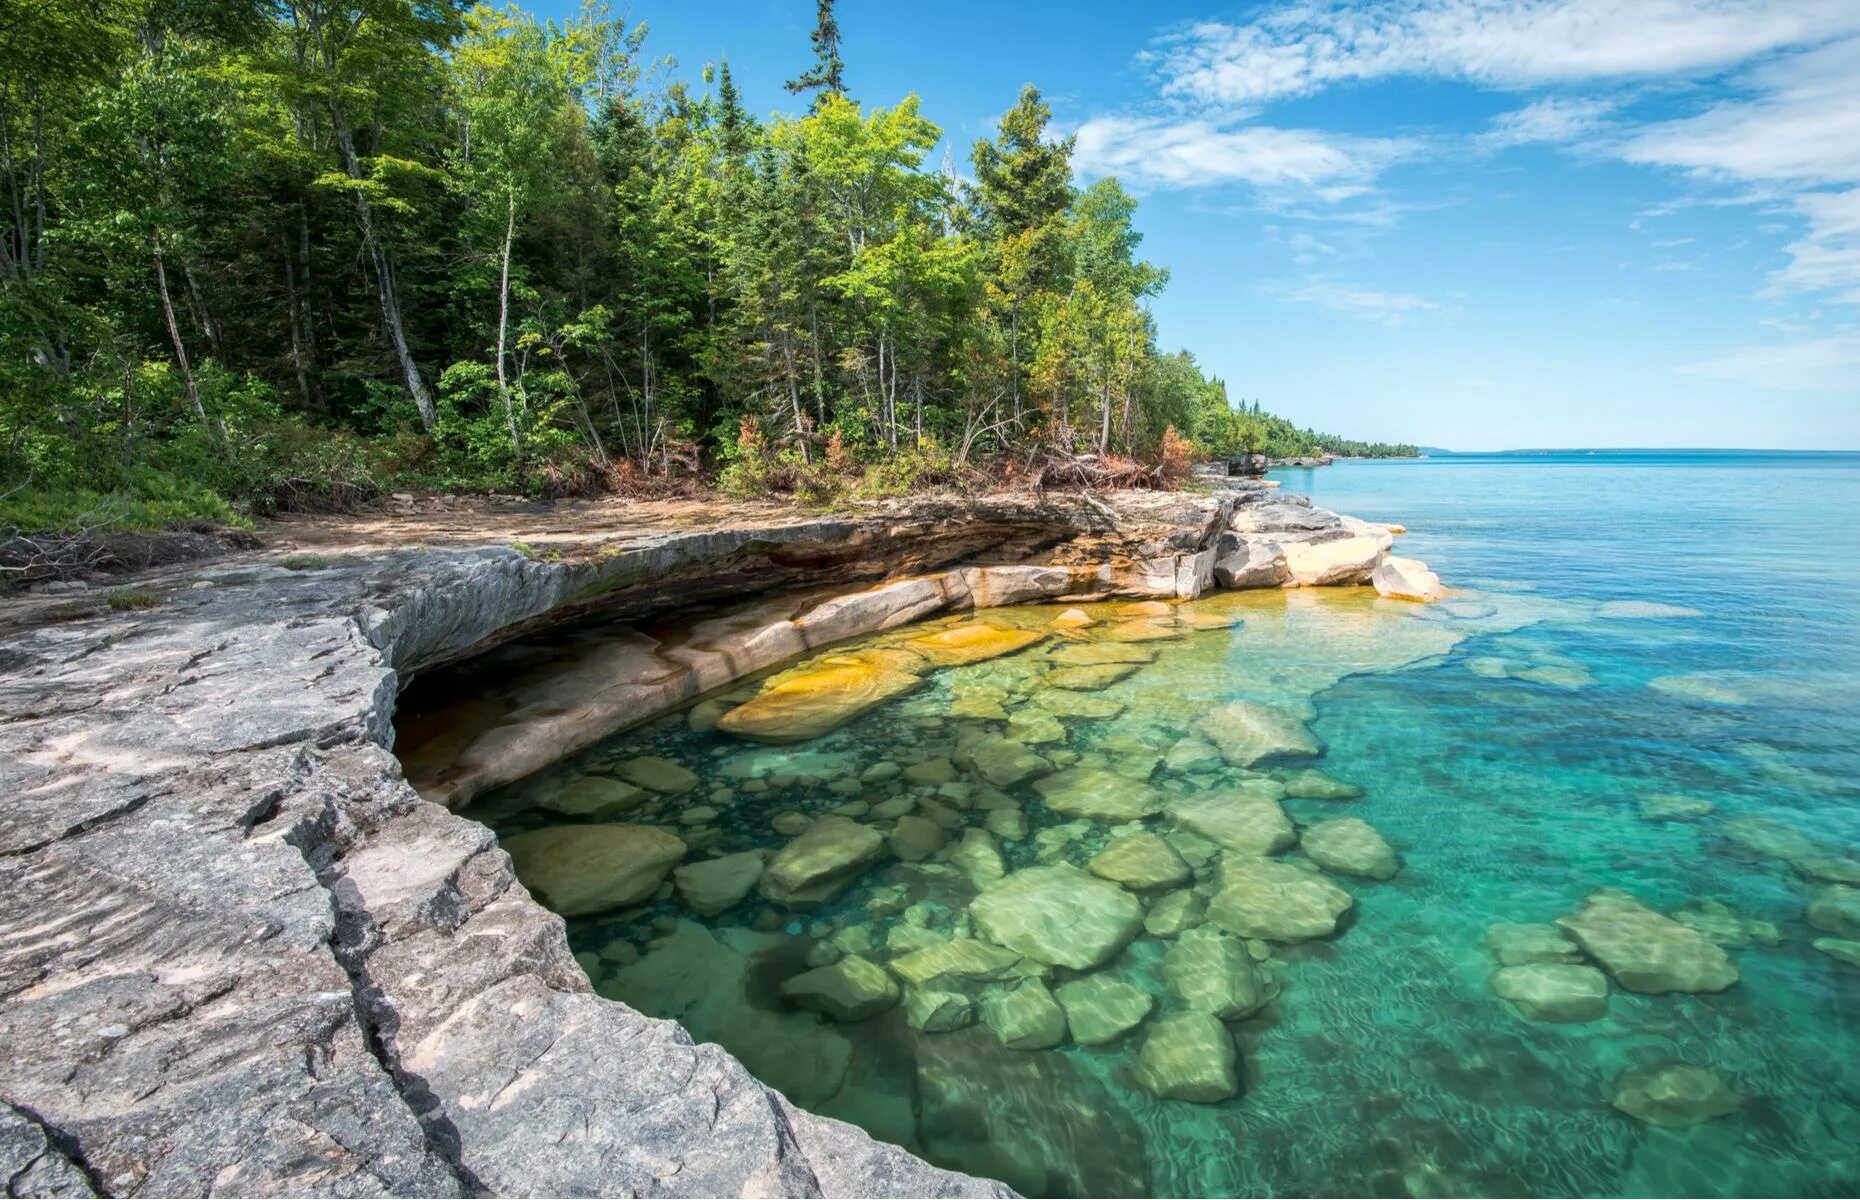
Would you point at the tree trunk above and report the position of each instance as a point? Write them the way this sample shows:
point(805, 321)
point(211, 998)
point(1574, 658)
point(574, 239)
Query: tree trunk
point(503, 324)
point(174, 333)
point(384, 272)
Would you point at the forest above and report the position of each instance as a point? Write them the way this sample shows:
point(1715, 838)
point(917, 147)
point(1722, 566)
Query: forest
point(262, 255)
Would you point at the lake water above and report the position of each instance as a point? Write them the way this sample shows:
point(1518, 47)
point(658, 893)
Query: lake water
point(1622, 627)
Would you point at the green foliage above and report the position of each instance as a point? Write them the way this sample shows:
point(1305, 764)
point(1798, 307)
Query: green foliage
point(257, 257)
point(131, 600)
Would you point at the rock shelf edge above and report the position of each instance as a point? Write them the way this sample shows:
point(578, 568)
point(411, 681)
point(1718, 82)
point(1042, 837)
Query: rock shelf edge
point(240, 955)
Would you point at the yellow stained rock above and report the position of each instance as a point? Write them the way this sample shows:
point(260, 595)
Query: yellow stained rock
point(817, 702)
point(1073, 618)
point(971, 643)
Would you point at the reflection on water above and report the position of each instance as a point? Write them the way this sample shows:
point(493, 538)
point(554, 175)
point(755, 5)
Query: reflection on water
point(1019, 911)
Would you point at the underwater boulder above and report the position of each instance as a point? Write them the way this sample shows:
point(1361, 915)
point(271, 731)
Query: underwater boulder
point(816, 702)
point(1058, 915)
point(1673, 1095)
point(1100, 1008)
point(972, 643)
point(1668, 806)
point(581, 869)
point(1025, 1017)
point(852, 989)
point(1349, 846)
point(1516, 944)
point(1247, 732)
point(593, 796)
point(1275, 901)
point(1246, 819)
point(1397, 578)
point(1312, 784)
point(814, 867)
point(1835, 909)
point(1170, 915)
point(1212, 973)
point(717, 884)
point(1141, 862)
point(914, 839)
point(1189, 1056)
point(1091, 794)
point(657, 774)
point(1002, 761)
point(1089, 679)
point(1646, 951)
point(1098, 654)
point(937, 1012)
point(1550, 991)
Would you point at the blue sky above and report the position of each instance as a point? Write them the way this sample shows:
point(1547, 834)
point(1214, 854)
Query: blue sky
point(1469, 223)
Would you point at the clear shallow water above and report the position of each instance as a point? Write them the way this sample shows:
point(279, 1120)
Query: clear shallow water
point(1386, 1066)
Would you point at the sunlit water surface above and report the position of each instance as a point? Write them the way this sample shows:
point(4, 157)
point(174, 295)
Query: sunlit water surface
point(1386, 1066)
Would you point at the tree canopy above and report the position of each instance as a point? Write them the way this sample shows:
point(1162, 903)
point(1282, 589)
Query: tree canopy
point(271, 254)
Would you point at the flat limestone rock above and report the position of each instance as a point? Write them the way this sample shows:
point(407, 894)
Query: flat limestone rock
point(938, 1012)
point(1025, 1017)
point(1100, 1008)
point(1096, 795)
point(978, 857)
point(966, 960)
point(1078, 705)
point(914, 839)
point(582, 869)
point(1275, 901)
point(1212, 973)
point(1246, 732)
point(1139, 631)
point(1835, 909)
point(852, 989)
point(1004, 761)
point(1516, 944)
point(1171, 915)
point(1058, 915)
point(1329, 564)
point(971, 643)
point(1349, 846)
point(1098, 654)
point(1089, 679)
point(815, 866)
point(1646, 951)
point(1141, 862)
point(1031, 726)
point(1244, 820)
point(657, 775)
point(593, 796)
point(718, 884)
point(1313, 784)
point(1550, 991)
point(1189, 1056)
point(1145, 608)
point(808, 705)
point(1673, 1095)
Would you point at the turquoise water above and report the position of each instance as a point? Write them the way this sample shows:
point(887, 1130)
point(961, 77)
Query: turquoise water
point(1503, 740)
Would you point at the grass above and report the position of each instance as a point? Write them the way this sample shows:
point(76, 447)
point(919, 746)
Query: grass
point(306, 562)
point(131, 600)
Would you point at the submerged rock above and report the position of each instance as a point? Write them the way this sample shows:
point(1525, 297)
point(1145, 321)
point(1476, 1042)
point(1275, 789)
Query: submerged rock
point(1398, 578)
point(1025, 1017)
point(1247, 732)
point(1098, 654)
point(815, 866)
point(938, 1012)
point(817, 702)
point(1170, 915)
point(1247, 820)
point(1058, 915)
point(914, 839)
point(1313, 784)
point(1141, 862)
point(1275, 901)
point(977, 857)
point(1673, 1094)
point(657, 774)
point(1100, 1008)
point(1002, 761)
point(1089, 679)
point(1349, 846)
point(958, 960)
point(1645, 951)
point(1554, 991)
point(1844, 949)
point(1032, 726)
point(1718, 922)
point(1073, 618)
point(1515, 945)
point(1078, 705)
point(851, 989)
point(1835, 909)
point(1189, 1056)
point(717, 884)
point(1212, 973)
point(971, 643)
point(1139, 631)
point(593, 796)
point(581, 869)
point(1096, 795)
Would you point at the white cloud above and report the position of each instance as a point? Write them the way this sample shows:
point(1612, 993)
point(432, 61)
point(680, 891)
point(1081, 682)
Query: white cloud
point(1829, 364)
point(1389, 308)
point(1193, 152)
point(1304, 47)
point(1552, 119)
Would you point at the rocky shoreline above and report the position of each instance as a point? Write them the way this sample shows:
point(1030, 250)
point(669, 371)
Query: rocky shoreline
point(240, 954)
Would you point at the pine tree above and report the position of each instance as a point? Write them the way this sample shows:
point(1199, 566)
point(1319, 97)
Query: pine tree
point(824, 78)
